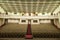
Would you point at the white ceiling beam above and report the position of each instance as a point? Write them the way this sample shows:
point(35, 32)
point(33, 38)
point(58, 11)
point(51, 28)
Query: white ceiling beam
point(43, 6)
point(2, 10)
point(57, 9)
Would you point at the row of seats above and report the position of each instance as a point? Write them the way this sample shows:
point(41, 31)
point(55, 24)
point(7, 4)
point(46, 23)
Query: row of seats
point(20, 35)
point(11, 35)
point(47, 35)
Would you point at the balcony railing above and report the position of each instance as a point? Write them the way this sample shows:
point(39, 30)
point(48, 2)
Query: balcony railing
point(29, 17)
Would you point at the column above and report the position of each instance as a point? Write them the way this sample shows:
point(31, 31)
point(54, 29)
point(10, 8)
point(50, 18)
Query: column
point(2, 22)
point(59, 17)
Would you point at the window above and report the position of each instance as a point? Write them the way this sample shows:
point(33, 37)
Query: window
point(35, 21)
point(23, 21)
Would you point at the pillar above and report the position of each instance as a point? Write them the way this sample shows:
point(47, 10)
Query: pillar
point(59, 17)
point(6, 20)
point(56, 22)
point(2, 21)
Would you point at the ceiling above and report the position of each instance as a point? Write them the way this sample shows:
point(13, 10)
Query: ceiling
point(29, 6)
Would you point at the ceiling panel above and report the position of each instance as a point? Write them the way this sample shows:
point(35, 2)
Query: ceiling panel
point(29, 5)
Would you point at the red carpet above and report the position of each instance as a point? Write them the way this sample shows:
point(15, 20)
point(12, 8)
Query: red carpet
point(29, 33)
